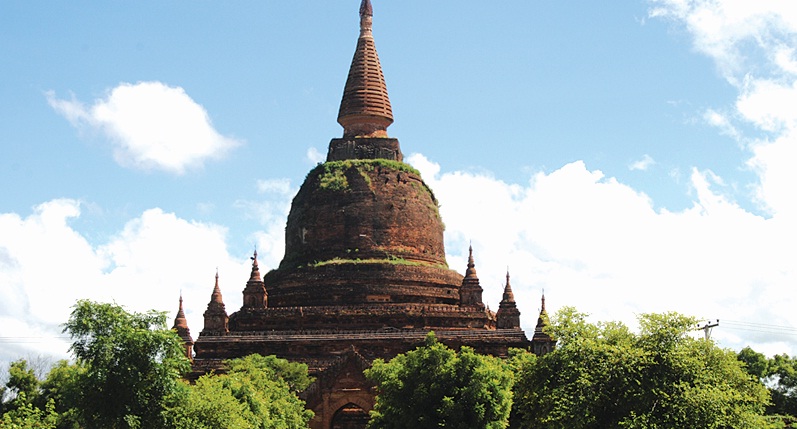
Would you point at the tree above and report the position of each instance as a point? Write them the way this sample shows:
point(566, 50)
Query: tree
point(26, 416)
point(22, 386)
point(779, 374)
point(433, 386)
point(131, 365)
point(256, 392)
point(61, 386)
point(604, 375)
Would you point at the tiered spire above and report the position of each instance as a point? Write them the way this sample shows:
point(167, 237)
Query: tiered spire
point(216, 315)
point(255, 295)
point(542, 342)
point(470, 294)
point(508, 315)
point(181, 326)
point(509, 296)
point(365, 109)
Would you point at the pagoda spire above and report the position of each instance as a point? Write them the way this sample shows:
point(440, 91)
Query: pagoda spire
point(471, 271)
point(542, 342)
point(215, 296)
point(181, 326)
point(509, 296)
point(470, 292)
point(508, 315)
point(365, 109)
point(216, 317)
point(255, 275)
point(255, 295)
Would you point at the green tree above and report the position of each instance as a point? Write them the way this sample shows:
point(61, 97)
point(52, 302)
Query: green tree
point(61, 386)
point(256, 392)
point(131, 363)
point(756, 363)
point(27, 416)
point(22, 386)
point(782, 379)
point(433, 386)
point(779, 374)
point(604, 376)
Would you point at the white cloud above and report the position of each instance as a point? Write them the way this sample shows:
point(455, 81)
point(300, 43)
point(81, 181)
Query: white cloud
point(151, 125)
point(725, 29)
point(599, 245)
point(721, 122)
point(752, 43)
point(278, 186)
point(315, 156)
point(46, 266)
point(643, 164)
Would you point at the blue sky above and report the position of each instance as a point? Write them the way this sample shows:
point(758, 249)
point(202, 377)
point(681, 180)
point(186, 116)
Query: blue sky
point(627, 157)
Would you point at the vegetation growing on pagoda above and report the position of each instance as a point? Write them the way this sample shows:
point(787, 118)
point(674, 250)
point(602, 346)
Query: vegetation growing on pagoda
point(332, 174)
point(390, 259)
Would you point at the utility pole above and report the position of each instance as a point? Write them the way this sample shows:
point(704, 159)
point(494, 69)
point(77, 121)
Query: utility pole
point(707, 328)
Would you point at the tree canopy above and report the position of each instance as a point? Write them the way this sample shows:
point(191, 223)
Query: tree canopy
point(434, 386)
point(133, 364)
point(256, 392)
point(605, 375)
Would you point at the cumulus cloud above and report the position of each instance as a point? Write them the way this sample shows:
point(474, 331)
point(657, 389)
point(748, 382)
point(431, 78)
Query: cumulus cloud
point(726, 29)
point(752, 44)
point(597, 244)
point(643, 164)
point(46, 265)
point(315, 156)
point(151, 126)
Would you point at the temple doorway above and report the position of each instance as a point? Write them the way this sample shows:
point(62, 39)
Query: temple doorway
point(350, 416)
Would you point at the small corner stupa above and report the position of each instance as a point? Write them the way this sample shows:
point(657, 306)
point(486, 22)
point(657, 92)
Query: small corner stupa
point(364, 274)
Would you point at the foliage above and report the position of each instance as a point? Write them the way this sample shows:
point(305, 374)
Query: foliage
point(434, 386)
point(332, 174)
point(604, 375)
point(779, 374)
point(389, 259)
point(256, 392)
point(132, 364)
point(22, 386)
point(27, 416)
point(61, 387)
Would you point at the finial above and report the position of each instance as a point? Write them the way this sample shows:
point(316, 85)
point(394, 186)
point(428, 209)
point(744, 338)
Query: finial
point(543, 300)
point(509, 296)
point(471, 271)
point(366, 9)
point(255, 275)
point(366, 19)
point(365, 109)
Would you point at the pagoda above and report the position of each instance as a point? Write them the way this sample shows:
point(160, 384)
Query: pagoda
point(364, 274)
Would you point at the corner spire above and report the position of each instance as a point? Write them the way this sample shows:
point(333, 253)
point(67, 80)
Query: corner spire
point(216, 315)
point(215, 296)
point(542, 342)
point(471, 271)
point(470, 293)
point(179, 320)
point(508, 315)
point(255, 275)
point(365, 109)
point(255, 295)
point(181, 326)
point(509, 296)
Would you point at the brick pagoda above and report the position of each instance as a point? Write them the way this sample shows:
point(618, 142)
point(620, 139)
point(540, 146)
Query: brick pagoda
point(364, 274)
